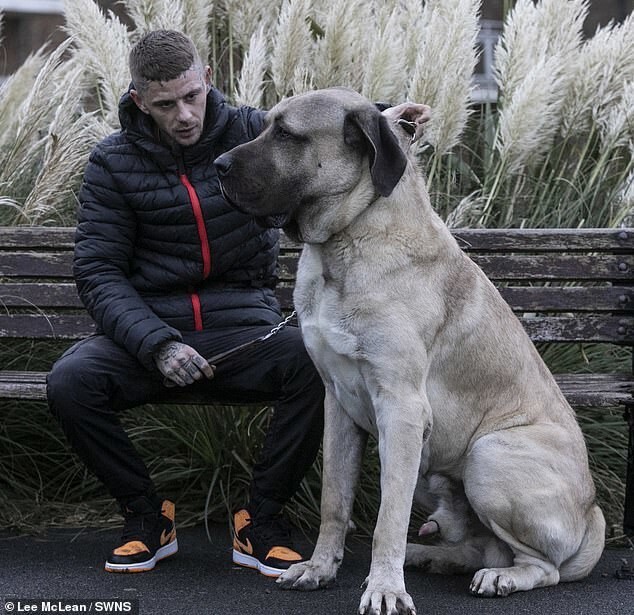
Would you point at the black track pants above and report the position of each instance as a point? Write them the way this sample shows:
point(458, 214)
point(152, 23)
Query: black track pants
point(96, 379)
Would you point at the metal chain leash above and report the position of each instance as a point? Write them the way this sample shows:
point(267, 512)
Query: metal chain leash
point(277, 328)
point(221, 356)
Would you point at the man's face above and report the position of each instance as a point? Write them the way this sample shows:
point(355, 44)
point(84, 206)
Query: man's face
point(177, 106)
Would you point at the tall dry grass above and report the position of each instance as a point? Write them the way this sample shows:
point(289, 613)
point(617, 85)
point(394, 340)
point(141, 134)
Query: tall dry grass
point(555, 151)
point(552, 162)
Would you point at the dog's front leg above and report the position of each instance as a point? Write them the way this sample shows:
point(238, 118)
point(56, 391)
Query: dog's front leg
point(344, 444)
point(401, 425)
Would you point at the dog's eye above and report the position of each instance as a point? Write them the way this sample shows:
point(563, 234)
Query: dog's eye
point(282, 133)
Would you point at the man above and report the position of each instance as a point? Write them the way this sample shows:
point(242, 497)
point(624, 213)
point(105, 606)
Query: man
point(172, 274)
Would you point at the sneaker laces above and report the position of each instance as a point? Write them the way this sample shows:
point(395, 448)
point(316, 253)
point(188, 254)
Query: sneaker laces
point(274, 531)
point(139, 525)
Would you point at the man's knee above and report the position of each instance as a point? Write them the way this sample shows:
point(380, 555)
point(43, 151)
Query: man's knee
point(59, 384)
point(304, 374)
point(69, 385)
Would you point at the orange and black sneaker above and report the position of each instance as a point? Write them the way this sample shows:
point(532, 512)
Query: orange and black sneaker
point(149, 535)
point(263, 544)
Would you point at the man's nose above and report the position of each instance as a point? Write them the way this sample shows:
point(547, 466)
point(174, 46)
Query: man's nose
point(183, 111)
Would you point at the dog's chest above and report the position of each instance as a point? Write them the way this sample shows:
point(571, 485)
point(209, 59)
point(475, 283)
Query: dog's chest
point(334, 346)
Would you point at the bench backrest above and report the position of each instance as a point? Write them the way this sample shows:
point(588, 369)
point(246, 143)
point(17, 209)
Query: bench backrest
point(565, 285)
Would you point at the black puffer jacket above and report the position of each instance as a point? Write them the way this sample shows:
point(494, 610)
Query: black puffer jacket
point(158, 250)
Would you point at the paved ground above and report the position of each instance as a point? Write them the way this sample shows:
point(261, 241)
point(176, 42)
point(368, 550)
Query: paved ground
point(57, 570)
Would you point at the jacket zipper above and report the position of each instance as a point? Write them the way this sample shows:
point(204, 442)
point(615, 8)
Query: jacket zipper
point(204, 247)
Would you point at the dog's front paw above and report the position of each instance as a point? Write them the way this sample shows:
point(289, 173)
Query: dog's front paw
point(306, 576)
point(394, 603)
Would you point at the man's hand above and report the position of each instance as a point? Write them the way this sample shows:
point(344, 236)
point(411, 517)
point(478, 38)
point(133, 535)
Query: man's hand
point(414, 114)
point(181, 364)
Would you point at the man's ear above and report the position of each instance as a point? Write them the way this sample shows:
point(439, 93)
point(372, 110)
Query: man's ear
point(139, 102)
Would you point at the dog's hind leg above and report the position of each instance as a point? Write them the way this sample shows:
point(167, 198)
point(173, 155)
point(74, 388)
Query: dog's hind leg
point(458, 558)
point(344, 445)
point(585, 559)
point(531, 486)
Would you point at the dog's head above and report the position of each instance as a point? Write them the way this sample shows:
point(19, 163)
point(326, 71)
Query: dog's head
point(322, 158)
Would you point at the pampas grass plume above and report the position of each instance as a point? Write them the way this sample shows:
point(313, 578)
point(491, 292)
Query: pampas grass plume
point(246, 18)
point(530, 119)
point(292, 45)
point(616, 122)
point(625, 200)
point(336, 58)
point(13, 93)
point(598, 74)
point(532, 70)
point(442, 75)
point(250, 86)
point(156, 14)
point(63, 150)
point(384, 78)
point(103, 45)
point(32, 117)
point(195, 18)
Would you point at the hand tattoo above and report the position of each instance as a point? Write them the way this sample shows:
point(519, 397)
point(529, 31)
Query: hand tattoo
point(181, 364)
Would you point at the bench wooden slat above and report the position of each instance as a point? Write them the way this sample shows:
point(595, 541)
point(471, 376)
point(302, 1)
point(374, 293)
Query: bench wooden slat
point(36, 264)
point(580, 328)
point(487, 240)
point(581, 390)
point(46, 326)
point(63, 238)
point(520, 298)
point(545, 240)
point(537, 267)
point(596, 390)
point(40, 294)
point(34, 237)
point(569, 298)
point(32, 385)
point(22, 385)
point(58, 264)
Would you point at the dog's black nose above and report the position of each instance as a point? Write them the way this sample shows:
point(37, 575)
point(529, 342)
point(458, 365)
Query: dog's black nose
point(223, 165)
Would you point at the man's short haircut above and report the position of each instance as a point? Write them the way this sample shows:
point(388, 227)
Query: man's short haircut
point(162, 55)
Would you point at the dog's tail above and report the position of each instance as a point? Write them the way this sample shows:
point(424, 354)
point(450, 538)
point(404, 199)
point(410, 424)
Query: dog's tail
point(585, 559)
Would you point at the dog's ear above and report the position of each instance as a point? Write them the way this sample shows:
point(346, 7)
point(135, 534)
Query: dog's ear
point(368, 128)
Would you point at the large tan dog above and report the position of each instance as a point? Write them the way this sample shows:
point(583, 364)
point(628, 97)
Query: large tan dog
point(416, 347)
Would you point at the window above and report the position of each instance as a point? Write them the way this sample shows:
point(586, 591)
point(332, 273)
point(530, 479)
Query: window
point(43, 7)
point(26, 26)
point(486, 88)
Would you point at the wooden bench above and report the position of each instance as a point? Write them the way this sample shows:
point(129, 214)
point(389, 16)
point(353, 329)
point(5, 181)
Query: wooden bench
point(565, 285)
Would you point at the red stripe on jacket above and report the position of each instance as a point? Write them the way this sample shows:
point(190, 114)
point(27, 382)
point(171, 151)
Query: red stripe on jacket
point(204, 247)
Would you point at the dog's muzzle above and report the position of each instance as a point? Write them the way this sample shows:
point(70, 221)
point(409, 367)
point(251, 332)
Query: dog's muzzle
point(278, 220)
point(271, 221)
